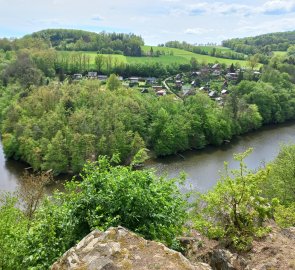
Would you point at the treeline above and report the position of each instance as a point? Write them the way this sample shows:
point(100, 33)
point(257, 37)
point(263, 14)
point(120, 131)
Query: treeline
point(78, 40)
point(215, 52)
point(59, 127)
point(36, 66)
point(262, 44)
point(75, 62)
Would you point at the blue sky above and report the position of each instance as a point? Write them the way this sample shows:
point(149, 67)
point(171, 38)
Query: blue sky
point(156, 21)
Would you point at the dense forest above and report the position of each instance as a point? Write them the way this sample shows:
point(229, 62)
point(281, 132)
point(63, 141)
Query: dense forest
point(78, 40)
point(265, 44)
point(54, 123)
point(59, 127)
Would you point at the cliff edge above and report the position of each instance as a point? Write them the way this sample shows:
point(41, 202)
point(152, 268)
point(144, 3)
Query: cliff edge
point(117, 248)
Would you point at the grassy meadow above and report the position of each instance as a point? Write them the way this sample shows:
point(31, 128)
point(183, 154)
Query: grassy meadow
point(170, 56)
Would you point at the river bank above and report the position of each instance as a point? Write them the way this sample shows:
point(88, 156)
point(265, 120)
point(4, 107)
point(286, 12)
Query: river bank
point(202, 167)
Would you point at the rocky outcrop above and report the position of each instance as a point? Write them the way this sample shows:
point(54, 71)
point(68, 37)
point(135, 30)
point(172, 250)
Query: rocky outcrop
point(118, 248)
point(276, 251)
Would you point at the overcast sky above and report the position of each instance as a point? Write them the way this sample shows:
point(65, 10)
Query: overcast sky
point(157, 21)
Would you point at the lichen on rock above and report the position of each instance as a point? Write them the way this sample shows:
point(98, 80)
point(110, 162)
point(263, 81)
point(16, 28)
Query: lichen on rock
point(117, 248)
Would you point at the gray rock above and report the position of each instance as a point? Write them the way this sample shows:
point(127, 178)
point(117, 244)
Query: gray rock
point(117, 249)
point(222, 259)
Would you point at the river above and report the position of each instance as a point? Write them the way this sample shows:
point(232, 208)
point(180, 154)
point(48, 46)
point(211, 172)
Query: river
point(202, 167)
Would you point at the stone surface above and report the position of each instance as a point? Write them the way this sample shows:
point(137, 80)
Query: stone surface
point(223, 259)
point(117, 249)
point(276, 251)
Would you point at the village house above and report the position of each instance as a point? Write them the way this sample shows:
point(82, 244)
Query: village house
point(77, 76)
point(195, 74)
point(102, 78)
point(224, 92)
point(178, 77)
point(92, 75)
point(232, 76)
point(212, 94)
point(157, 88)
point(134, 79)
point(216, 72)
point(216, 67)
point(161, 93)
point(151, 80)
point(178, 83)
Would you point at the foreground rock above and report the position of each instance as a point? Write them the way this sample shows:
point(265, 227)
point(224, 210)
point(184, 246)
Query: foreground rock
point(118, 248)
point(276, 251)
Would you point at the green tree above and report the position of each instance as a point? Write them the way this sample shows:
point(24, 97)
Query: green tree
point(113, 83)
point(13, 229)
point(253, 61)
point(99, 61)
point(234, 210)
point(151, 51)
point(281, 178)
point(51, 233)
point(194, 63)
point(24, 70)
point(285, 215)
point(56, 158)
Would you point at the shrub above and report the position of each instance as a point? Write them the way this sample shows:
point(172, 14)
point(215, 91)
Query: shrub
point(136, 199)
point(234, 210)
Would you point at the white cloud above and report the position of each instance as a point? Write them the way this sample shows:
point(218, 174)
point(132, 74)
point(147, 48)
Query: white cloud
point(196, 31)
point(218, 8)
point(277, 6)
point(272, 7)
point(156, 21)
point(285, 24)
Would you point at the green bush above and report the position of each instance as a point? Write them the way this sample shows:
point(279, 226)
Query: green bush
point(136, 199)
point(285, 215)
point(107, 196)
point(13, 230)
point(234, 210)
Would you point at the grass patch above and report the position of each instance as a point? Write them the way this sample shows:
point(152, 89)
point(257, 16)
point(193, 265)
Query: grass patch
point(171, 56)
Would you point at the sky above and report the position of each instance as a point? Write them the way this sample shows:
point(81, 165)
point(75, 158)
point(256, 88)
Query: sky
point(196, 22)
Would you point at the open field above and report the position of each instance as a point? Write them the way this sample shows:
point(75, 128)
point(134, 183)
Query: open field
point(186, 56)
point(171, 56)
point(210, 48)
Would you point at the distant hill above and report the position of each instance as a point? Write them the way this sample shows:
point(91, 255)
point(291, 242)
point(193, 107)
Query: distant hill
point(265, 44)
point(79, 40)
